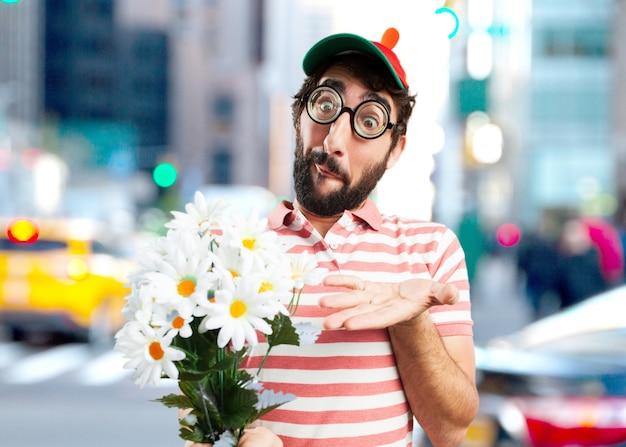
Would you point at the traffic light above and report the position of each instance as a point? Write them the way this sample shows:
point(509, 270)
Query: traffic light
point(10, 1)
point(164, 175)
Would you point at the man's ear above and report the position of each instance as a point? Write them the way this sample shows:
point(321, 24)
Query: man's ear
point(396, 152)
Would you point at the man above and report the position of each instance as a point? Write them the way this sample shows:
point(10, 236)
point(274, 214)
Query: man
point(397, 339)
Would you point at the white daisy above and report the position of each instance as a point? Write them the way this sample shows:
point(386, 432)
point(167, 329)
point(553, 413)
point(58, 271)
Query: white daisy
point(253, 236)
point(139, 304)
point(304, 271)
point(176, 324)
point(238, 311)
point(200, 215)
point(234, 260)
point(277, 285)
point(184, 280)
point(149, 353)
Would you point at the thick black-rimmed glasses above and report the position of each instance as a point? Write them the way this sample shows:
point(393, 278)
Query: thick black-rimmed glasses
point(369, 120)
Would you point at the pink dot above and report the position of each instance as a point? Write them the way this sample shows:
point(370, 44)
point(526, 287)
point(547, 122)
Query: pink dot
point(508, 234)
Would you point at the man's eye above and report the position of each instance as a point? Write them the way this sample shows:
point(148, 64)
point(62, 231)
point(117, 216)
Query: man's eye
point(370, 122)
point(326, 106)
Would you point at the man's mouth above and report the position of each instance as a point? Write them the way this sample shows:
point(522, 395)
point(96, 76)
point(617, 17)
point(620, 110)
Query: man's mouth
point(326, 173)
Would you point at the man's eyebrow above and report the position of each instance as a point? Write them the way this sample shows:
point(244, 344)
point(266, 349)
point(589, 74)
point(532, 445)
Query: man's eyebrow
point(334, 83)
point(376, 97)
point(340, 86)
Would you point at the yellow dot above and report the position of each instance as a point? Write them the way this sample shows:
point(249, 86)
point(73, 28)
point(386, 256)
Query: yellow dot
point(178, 322)
point(249, 243)
point(186, 287)
point(266, 286)
point(155, 350)
point(237, 309)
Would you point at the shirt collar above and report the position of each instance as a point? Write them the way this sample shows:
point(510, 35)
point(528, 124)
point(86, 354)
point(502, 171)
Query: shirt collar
point(284, 214)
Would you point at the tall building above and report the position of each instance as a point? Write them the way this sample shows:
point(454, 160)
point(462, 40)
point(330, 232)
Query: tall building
point(550, 87)
point(106, 84)
point(619, 107)
point(569, 155)
point(20, 60)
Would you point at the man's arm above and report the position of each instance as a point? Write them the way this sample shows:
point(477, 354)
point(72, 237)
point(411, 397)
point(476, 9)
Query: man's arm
point(438, 375)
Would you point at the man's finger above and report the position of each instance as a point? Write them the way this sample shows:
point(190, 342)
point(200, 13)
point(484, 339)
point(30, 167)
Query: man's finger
point(349, 281)
point(446, 293)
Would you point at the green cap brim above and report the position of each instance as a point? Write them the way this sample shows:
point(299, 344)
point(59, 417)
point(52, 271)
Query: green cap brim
point(339, 43)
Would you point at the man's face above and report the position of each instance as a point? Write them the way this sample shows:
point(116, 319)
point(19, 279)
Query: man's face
point(335, 169)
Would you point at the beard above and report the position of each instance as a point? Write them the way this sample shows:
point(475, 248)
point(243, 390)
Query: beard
point(346, 198)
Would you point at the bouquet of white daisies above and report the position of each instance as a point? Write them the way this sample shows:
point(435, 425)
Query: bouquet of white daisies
point(198, 301)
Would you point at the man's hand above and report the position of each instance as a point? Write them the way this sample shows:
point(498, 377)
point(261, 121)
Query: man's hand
point(372, 305)
point(252, 437)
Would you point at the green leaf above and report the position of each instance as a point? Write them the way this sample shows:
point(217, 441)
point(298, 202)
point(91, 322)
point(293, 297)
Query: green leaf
point(192, 434)
point(283, 332)
point(175, 401)
point(238, 404)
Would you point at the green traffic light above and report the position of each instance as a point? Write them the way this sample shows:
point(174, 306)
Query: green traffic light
point(164, 175)
point(10, 1)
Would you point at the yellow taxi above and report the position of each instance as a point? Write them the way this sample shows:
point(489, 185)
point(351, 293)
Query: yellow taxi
point(61, 276)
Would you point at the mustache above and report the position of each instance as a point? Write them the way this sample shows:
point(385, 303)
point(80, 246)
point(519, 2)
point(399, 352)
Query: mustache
point(331, 165)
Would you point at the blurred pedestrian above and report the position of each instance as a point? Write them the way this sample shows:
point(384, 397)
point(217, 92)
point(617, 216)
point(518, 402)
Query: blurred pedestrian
point(473, 240)
point(608, 241)
point(580, 273)
point(538, 260)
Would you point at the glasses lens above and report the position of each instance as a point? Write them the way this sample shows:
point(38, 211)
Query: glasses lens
point(370, 119)
point(324, 105)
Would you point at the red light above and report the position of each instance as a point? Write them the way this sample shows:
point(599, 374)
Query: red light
point(23, 231)
point(508, 235)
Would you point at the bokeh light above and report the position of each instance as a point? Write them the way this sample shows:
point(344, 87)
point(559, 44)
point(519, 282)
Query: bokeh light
point(508, 235)
point(77, 269)
point(23, 231)
point(164, 175)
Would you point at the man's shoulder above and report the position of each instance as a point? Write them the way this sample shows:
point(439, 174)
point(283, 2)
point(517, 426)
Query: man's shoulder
point(396, 221)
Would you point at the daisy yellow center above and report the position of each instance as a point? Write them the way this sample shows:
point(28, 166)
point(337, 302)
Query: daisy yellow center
point(178, 322)
point(186, 287)
point(249, 243)
point(237, 309)
point(234, 274)
point(156, 351)
point(266, 286)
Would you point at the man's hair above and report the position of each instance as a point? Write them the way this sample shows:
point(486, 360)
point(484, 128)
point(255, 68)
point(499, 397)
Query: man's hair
point(373, 74)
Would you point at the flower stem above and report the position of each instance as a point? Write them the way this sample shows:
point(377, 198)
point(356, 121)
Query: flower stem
point(204, 407)
point(220, 376)
point(293, 307)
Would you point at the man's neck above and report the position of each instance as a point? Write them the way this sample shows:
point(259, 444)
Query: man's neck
point(321, 223)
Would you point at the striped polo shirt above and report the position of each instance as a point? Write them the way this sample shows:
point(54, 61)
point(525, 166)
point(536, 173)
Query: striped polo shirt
point(347, 386)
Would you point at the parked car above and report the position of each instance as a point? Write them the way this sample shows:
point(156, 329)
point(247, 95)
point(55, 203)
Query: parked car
point(61, 276)
point(560, 381)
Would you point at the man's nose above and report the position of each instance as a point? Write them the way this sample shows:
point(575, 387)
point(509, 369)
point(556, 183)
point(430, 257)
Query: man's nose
point(339, 133)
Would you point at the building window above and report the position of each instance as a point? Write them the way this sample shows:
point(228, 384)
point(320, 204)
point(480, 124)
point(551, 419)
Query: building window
point(222, 166)
point(573, 42)
point(224, 112)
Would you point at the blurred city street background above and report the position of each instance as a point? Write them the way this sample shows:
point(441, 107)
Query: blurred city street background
point(114, 112)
